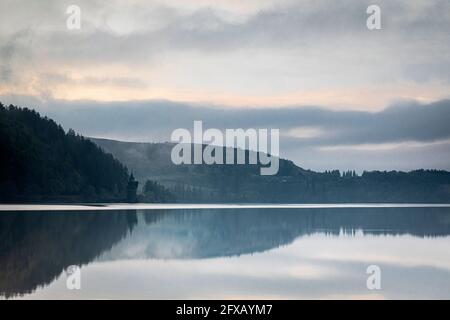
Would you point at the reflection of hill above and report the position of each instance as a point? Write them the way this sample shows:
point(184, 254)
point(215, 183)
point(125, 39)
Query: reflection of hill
point(36, 247)
point(201, 234)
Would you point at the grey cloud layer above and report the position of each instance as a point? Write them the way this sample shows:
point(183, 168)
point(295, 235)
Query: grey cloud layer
point(13, 52)
point(415, 33)
point(303, 23)
point(286, 47)
point(147, 121)
point(426, 125)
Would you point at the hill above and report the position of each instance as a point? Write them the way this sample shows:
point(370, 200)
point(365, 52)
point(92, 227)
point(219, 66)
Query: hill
point(292, 184)
point(40, 162)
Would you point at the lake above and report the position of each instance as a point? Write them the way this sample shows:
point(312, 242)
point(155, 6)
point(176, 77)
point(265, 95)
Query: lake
point(225, 252)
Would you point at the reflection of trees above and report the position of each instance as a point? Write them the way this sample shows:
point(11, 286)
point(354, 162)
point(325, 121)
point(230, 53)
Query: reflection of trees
point(211, 233)
point(36, 247)
point(153, 216)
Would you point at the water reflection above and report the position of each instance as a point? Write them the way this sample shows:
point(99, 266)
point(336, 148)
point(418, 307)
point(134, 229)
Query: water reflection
point(36, 247)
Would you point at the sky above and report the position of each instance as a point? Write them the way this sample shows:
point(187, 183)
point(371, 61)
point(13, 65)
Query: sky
point(343, 96)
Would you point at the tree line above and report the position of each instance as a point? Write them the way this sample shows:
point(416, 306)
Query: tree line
point(42, 162)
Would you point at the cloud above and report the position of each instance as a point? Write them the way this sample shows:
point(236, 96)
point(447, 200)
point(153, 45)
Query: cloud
point(208, 28)
point(121, 82)
point(296, 24)
point(271, 53)
point(13, 53)
point(147, 120)
point(277, 48)
point(406, 136)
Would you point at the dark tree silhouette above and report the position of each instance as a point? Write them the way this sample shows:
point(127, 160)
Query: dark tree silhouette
point(40, 162)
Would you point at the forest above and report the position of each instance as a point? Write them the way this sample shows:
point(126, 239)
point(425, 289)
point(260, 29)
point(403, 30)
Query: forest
point(40, 162)
point(292, 184)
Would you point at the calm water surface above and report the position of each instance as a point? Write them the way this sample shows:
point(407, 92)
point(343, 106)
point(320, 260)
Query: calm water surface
point(236, 253)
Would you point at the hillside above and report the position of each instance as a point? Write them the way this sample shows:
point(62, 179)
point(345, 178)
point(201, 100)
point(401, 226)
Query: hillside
point(242, 183)
point(40, 162)
point(43, 163)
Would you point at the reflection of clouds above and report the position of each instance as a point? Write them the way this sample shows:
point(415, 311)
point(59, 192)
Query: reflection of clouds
point(264, 254)
point(316, 266)
point(385, 249)
point(169, 241)
point(197, 234)
point(368, 296)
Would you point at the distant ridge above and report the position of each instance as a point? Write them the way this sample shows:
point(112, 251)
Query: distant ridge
point(292, 184)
